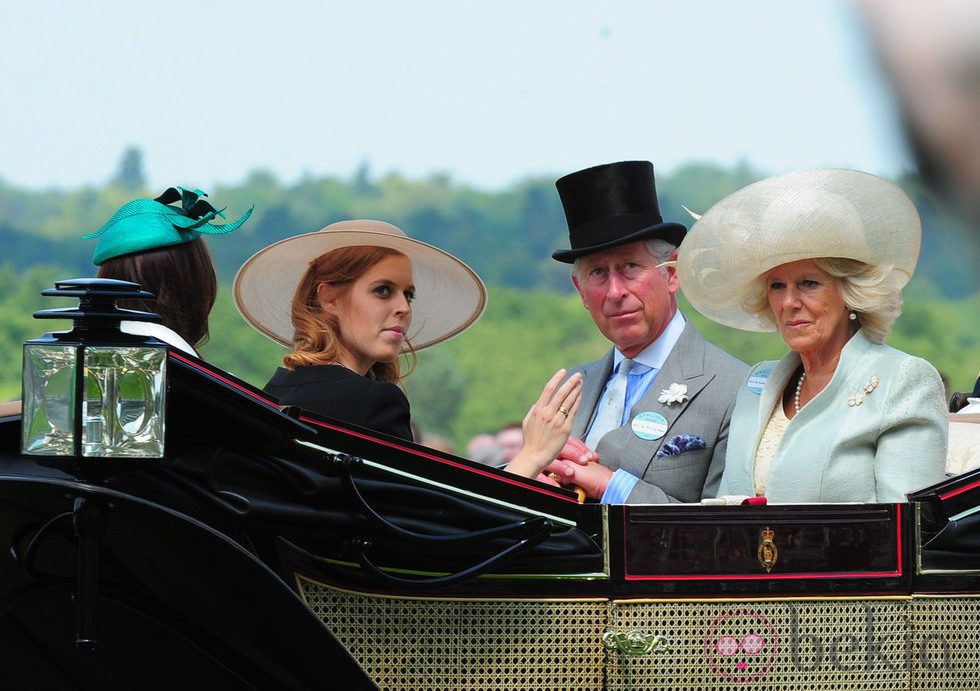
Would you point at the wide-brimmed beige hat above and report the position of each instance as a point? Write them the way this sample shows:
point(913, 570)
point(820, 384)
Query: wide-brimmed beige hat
point(806, 214)
point(449, 296)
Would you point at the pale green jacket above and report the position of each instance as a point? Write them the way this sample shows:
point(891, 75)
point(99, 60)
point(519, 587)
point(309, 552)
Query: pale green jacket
point(889, 442)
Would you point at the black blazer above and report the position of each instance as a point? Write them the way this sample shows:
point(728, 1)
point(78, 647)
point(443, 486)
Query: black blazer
point(337, 392)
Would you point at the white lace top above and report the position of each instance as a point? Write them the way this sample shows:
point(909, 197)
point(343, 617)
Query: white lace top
point(768, 444)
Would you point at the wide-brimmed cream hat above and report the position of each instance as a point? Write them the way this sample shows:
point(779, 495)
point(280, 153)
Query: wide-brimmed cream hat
point(806, 214)
point(449, 296)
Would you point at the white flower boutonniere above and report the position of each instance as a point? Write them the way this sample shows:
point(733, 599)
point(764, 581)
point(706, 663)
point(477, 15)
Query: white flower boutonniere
point(677, 393)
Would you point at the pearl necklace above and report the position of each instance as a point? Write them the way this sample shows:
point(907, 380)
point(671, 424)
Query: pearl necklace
point(799, 388)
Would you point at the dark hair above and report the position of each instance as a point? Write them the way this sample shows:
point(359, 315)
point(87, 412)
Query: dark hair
point(182, 278)
point(317, 339)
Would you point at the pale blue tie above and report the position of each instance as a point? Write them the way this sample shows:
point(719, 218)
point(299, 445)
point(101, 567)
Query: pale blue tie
point(610, 413)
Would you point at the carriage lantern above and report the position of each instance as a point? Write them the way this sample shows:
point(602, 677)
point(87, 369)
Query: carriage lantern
point(94, 391)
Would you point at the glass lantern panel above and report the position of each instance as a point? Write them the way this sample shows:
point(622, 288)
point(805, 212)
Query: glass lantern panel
point(49, 400)
point(124, 406)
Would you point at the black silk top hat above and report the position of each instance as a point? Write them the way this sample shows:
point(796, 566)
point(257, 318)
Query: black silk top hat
point(611, 205)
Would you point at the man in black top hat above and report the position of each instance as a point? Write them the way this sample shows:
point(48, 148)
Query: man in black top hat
point(656, 408)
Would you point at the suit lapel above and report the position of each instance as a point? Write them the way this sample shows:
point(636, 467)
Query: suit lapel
point(684, 365)
point(594, 376)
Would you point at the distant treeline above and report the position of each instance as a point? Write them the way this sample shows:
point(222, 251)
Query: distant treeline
point(507, 236)
point(534, 323)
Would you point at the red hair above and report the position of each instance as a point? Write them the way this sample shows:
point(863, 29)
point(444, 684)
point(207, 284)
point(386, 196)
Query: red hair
point(316, 338)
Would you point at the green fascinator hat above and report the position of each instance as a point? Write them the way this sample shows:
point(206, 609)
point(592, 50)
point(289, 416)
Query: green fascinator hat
point(147, 224)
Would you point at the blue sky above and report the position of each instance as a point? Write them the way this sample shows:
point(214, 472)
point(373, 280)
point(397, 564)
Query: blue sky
point(487, 92)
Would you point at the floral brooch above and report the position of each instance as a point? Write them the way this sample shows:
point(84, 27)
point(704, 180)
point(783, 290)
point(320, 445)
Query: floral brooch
point(677, 393)
point(869, 386)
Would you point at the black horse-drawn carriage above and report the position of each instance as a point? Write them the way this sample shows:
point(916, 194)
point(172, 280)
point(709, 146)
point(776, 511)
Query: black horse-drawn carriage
point(267, 547)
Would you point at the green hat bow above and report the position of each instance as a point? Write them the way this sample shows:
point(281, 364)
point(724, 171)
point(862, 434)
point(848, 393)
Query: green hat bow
point(146, 224)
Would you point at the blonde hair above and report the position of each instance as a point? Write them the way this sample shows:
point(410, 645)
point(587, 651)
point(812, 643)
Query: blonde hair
point(317, 339)
point(865, 289)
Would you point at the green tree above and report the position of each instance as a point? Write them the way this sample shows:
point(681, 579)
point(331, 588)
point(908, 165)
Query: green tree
point(436, 391)
point(534, 323)
point(130, 176)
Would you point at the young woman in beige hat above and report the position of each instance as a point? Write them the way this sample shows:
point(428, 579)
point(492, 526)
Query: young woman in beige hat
point(349, 300)
point(821, 257)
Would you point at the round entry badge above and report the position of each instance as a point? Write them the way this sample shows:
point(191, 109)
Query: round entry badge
point(649, 425)
point(758, 380)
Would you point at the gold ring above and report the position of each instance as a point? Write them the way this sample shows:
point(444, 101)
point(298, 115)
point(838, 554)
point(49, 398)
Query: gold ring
point(563, 411)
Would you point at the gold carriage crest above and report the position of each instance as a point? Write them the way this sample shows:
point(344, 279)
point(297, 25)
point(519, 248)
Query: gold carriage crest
point(767, 552)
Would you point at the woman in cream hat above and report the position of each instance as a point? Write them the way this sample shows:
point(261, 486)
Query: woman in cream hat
point(821, 257)
point(349, 300)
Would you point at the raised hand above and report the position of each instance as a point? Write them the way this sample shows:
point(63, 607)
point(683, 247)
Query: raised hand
point(548, 424)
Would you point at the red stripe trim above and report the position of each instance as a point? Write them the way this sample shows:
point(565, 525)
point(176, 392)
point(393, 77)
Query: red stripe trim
point(898, 571)
point(961, 490)
point(230, 382)
point(437, 459)
point(898, 538)
point(765, 577)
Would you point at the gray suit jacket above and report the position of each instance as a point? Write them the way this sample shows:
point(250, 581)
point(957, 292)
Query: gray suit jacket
point(712, 377)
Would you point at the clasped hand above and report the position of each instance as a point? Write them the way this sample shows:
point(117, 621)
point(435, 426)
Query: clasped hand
point(579, 465)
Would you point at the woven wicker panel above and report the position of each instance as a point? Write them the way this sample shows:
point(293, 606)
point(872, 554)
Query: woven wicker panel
point(820, 645)
point(412, 645)
point(945, 651)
